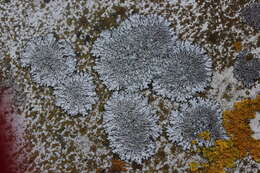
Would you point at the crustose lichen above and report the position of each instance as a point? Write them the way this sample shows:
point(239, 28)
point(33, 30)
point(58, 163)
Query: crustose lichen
point(50, 59)
point(76, 94)
point(131, 125)
point(187, 70)
point(199, 122)
point(128, 56)
point(247, 68)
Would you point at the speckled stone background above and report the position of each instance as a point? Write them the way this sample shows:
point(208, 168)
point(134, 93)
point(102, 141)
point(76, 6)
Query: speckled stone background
point(48, 140)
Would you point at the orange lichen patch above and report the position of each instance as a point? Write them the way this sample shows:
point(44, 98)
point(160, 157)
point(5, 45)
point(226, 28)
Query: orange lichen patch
point(204, 135)
point(238, 46)
point(222, 155)
point(225, 152)
point(236, 123)
point(194, 166)
point(195, 146)
point(194, 142)
point(117, 166)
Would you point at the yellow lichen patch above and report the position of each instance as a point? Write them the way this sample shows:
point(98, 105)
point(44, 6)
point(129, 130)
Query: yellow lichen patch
point(221, 156)
point(194, 166)
point(194, 142)
point(236, 123)
point(238, 46)
point(195, 146)
point(225, 152)
point(204, 135)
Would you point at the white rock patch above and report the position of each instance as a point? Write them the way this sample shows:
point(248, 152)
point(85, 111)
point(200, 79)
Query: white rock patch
point(255, 126)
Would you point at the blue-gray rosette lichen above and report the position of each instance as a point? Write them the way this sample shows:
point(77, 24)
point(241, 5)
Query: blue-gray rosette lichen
point(127, 56)
point(247, 68)
point(76, 94)
point(131, 125)
point(50, 59)
point(198, 118)
point(250, 15)
point(186, 71)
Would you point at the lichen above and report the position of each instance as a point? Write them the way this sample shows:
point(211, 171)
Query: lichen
point(185, 72)
point(250, 15)
point(247, 68)
point(225, 153)
point(50, 60)
point(204, 135)
point(117, 166)
point(247, 165)
point(221, 156)
point(199, 123)
point(236, 123)
point(194, 166)
point(128, 56)
point(76, 94)
point(131, 125)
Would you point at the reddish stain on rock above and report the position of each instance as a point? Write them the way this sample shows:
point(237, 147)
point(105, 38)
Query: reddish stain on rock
point(4, 108)
point(6, 137)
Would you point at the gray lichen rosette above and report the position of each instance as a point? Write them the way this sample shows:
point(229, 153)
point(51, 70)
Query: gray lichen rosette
point(76, 94)
point(127, 56)
point(250, 15)
point(187, 70)
point(50, 60)
point(200, 116)
point(247, 68)
point(131, 125)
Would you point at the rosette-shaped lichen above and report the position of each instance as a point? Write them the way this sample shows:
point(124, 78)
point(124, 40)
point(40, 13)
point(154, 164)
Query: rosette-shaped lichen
point(76, 94)
point(247, 69)
point(131, 125)
point(250, 15)
point(198, 123)
point(186, 71)
point(50, 59)
point(128, 55)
